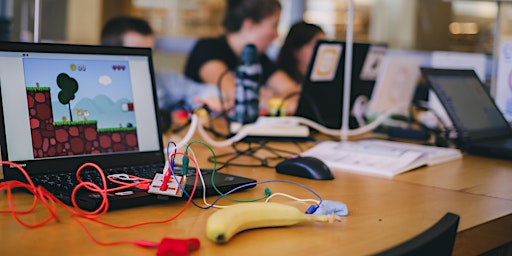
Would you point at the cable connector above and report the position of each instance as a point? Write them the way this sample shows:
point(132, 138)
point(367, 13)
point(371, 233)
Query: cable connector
point(185, 163)
point(171, 246)
point(312, 209)
point(169, 188)
point(268, 192)
point(177, 247)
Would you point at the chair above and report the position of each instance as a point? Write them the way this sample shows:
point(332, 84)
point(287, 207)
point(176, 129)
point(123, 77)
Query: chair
point(437, 240)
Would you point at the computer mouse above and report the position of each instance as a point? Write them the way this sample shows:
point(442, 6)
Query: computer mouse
point(305, 167)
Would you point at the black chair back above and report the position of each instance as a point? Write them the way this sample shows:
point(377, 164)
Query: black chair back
point(437, 240)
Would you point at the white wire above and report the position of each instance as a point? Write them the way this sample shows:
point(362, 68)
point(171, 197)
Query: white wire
point(352, 132)
point(226, 206)
point(246, 130)
point(291, 197)
point(197, 123)
point(204, 186)
point(359, 108)
point(206, 203)
point(193, 124)
point(200, 174)
point(192, 129)
point(290, 119)
point(201, 178)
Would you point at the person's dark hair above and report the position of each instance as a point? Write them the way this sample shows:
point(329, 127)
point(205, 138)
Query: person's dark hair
point(300, 34)
point(112, 35)
point(239, 10)
point(113, 31)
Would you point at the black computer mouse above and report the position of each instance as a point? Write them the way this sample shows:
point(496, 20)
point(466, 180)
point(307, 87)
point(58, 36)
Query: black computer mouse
point(305, 167)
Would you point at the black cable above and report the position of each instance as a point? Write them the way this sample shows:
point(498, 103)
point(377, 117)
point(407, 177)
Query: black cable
point(442, 136)
point(180, 105)
point(281, 104)
point(214, 131)
point(250, 152)
point(224, 112)
point(221, 96)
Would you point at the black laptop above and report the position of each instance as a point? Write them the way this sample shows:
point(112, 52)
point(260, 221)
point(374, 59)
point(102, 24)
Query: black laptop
point(321, 97)
point(65, 105)
point(481, 127)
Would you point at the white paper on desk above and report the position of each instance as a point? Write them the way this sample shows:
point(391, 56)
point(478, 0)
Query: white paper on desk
point(504, 80)
point(350, 156)
point(454, 60)
point(433, 155)
point(379, 157)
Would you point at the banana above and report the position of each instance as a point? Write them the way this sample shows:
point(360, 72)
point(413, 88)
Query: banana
point(223, 224)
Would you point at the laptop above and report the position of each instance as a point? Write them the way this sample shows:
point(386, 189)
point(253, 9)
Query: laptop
point(322, 91)
point(481, 127)
point(62, 106)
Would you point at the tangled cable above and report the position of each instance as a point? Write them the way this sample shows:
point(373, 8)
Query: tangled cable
point(167, 246)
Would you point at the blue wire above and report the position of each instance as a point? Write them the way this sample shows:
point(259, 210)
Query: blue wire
point(252, 184)
point(269, 181)
point(232, 190)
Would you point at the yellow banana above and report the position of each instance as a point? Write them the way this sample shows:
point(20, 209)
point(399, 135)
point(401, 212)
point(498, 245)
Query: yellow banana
point(222, 225)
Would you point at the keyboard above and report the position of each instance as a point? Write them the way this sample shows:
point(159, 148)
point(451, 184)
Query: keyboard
point(66, 182)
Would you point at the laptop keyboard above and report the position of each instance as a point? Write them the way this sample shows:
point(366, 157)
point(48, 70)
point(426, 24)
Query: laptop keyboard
point(62, 185)
point(66, 182)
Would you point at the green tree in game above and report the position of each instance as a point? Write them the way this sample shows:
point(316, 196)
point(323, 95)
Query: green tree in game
point(68, 86)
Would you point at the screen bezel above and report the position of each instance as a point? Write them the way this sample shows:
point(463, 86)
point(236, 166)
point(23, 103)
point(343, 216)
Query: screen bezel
point(67, 164)
point(468, 135)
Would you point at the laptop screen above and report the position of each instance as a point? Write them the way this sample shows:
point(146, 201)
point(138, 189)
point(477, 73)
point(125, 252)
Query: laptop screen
point(467, 102)
point(321, 97)
point(66, 104)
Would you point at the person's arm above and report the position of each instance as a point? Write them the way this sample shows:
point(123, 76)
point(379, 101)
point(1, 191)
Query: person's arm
point(173, 89)
point(279, 84)
point(283, 86)
point(216, 72)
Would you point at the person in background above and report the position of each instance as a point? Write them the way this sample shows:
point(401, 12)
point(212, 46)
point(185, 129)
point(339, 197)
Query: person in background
point(245, 22)
point(174, 91)
point(298, 48)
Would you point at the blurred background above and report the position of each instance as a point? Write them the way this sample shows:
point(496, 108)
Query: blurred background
point(410, 25)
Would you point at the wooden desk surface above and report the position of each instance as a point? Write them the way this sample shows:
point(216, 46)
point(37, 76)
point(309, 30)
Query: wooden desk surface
point(382, 213)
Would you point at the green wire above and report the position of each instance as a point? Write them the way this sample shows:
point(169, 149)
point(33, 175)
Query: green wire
point(267, 191)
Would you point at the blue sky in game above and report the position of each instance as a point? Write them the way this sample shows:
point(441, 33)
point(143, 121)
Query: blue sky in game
point(103, 88)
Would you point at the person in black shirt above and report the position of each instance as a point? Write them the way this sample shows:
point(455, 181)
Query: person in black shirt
point(245, 22)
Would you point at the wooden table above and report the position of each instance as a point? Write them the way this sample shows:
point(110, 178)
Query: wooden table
point(382, 212)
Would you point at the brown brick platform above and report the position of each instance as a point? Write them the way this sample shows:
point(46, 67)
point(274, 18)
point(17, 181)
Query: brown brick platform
point(49, 139)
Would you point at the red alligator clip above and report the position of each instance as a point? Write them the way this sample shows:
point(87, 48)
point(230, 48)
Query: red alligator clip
point(177, 247)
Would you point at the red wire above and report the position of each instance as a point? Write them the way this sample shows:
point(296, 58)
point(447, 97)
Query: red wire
point(189, 201)
point(40, 194)
point(50, 202)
